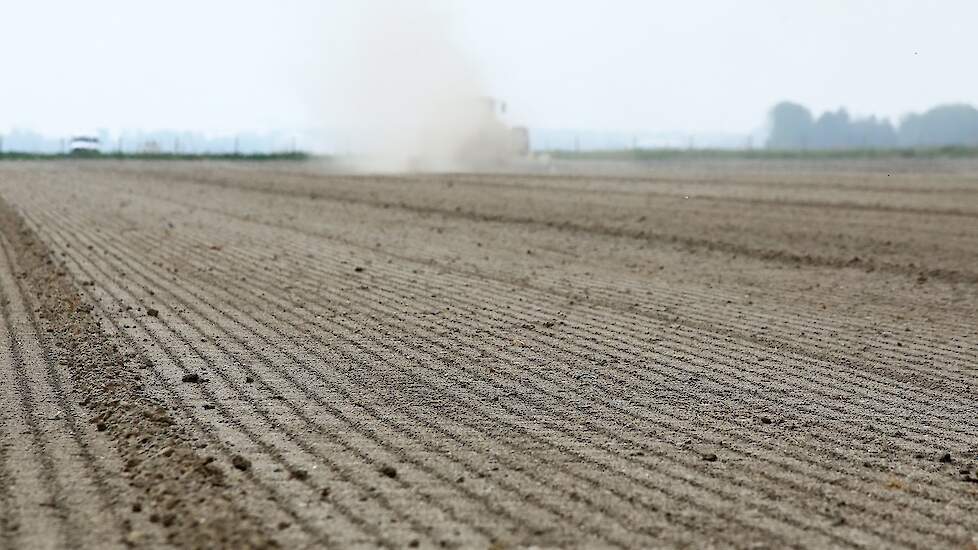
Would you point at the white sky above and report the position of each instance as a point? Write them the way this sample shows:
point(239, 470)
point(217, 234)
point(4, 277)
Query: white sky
point(690, 66)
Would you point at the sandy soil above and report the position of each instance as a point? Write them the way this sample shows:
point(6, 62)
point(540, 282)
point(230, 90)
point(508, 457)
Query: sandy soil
point(725, 354)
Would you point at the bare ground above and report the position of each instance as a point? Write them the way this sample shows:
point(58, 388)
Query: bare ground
point(723, 354)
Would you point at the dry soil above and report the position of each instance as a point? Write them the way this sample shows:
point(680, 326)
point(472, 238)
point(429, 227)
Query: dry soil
point(711, 354)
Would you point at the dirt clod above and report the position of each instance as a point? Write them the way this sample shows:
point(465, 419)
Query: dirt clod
point(152, 312)
point(240, 463)
point(388, 471)
point(191, 378)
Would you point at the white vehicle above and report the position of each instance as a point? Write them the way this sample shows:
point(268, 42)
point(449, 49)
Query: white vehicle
point(84, 145)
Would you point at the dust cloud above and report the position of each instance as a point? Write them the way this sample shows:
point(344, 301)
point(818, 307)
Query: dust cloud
point(406, 97)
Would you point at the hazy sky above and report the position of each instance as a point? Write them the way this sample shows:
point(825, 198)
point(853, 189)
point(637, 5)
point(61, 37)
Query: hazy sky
point(691, 66)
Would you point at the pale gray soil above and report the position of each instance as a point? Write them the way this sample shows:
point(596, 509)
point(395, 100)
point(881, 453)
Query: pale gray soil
point(725, 354)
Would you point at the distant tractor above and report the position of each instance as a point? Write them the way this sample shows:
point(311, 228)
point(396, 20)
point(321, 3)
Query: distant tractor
point(495, 140)
point(84, 146)
point(519, 139)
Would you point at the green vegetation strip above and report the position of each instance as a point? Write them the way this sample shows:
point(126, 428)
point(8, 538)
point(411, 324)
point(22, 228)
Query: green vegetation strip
point(667, 154)
point(160, 156)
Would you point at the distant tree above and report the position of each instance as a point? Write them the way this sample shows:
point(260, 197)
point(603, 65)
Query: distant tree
point(941, 126)
point(839, 131)
point(873, 133)
point(791, 126)
point(831, 131)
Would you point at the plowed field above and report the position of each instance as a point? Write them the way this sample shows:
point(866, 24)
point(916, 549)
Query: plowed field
point(711, 354)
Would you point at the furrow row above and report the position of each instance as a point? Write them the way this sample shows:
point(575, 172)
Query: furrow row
point(96, 458)
point(771, 320)
point(452, 329)
point(41, 517)
point(456, 389)
point(158, 337)
point(282, 426)
point(253, 353)
point(825, 374)
point(912, 367)
point(692, 242)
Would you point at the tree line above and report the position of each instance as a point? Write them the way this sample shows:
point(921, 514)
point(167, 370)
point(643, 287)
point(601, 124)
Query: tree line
point(793, 127)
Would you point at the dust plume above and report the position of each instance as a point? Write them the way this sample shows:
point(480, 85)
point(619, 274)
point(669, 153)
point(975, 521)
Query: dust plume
point(407, 97)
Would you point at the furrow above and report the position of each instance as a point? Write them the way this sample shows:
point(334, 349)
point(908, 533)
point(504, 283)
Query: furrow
point(92, 480)
point(831, 372)
point(782, 256)
point(763, 323)
point(525, 399)
point(685, 419)
point(253, 352)
point(916, 350)
point(6, 482)
point(281, 426)
point(203, 425)
point(41, 518)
